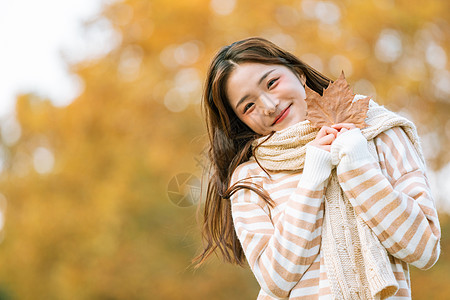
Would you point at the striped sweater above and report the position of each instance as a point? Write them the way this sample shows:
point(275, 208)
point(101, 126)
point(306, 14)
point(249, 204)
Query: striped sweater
point(392, 195)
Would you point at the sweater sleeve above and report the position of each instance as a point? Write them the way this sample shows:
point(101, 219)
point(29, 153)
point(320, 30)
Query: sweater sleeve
point(392, 196)
point(280, 252)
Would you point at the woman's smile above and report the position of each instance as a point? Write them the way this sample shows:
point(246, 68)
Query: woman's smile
point(282, 115)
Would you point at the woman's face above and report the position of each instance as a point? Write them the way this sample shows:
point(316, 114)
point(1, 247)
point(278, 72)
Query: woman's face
point(266, 97)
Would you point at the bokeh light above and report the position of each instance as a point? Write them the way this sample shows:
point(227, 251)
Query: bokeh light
point(43, 160)
point(389, 46)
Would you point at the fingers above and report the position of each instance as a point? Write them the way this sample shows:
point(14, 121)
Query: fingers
point(343, 127)
point(347, 126)
point(324, 138)
point(327, 135)
point(325, 130)
point(342, 131)
point(328, 139)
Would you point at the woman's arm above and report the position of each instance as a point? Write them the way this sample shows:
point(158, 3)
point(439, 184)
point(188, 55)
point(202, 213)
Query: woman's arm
point(280, 253)
point(395, 202)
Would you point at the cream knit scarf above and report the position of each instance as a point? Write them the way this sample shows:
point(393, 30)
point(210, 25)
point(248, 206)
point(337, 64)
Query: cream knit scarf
point(357, 264)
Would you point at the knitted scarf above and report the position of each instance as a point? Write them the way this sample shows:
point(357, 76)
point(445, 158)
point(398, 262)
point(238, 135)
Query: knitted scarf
point(357, 264)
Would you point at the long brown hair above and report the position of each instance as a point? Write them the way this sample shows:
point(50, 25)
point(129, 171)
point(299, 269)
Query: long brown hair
point(230, 140)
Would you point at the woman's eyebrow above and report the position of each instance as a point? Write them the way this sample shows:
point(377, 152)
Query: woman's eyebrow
point(259, 82)
point(264, 76)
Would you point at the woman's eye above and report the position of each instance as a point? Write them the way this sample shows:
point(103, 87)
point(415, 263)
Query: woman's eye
point(271, 82)
point(247, 107)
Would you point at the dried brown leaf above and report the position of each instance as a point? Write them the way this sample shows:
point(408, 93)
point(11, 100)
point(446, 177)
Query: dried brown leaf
point(336, 105)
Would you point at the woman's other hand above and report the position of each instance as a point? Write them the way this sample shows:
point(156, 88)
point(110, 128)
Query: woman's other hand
point(325, 138)
point(350, 144)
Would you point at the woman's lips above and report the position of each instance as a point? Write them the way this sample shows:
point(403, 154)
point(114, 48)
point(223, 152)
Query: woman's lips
point(282, 115)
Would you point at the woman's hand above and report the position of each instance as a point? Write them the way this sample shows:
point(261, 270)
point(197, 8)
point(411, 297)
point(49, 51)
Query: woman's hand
point(327, 135)
point(325, 138)
point(343, 127)
point(349, 143)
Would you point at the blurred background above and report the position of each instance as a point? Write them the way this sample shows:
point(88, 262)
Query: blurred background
point(102, 133)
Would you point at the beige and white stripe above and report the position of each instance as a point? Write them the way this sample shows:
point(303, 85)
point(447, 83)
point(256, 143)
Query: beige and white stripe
point(282, 245)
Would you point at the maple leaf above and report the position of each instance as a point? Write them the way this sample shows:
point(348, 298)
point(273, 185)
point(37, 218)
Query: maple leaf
point(336, 105)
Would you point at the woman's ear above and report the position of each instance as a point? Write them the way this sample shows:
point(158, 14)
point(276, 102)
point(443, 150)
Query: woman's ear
point(302, 78)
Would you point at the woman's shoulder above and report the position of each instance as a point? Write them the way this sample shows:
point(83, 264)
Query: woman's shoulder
point(246, 169)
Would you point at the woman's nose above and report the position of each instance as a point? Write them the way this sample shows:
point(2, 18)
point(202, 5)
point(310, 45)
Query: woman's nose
point(269, 104)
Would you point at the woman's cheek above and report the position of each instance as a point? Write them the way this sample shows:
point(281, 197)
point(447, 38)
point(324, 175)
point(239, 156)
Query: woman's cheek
point(252, 123)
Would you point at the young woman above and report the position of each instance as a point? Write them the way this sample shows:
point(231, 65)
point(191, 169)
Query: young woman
point(338, 212)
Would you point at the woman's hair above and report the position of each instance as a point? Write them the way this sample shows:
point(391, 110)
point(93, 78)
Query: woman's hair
point(230, 140)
